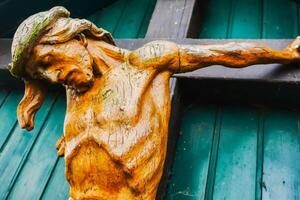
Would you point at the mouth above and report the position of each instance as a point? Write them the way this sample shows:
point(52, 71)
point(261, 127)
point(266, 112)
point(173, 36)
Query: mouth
point(83, 87)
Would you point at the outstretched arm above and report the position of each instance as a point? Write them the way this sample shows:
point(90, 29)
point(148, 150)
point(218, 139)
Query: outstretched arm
point(164, 55)
point(234, 55)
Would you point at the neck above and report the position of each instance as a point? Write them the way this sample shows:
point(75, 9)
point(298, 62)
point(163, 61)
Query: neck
point(106, 56)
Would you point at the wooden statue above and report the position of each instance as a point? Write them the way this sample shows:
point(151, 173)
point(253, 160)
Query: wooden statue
point(118, 101)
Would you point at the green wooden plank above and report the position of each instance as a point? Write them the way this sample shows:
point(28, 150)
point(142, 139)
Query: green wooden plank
point(245, 19)
point(109, 16)
point(191, 160)
point(43, 157)
point(236, 163)
point(215, 21)
point(281, 169)
point(131, 19)
point(280, 19)
point(8, 115)
point(144, 27)
point(125, 18)
point(13, 12)
point(57, 187)
point(19, 144)
point(3, 95)
point(260, 155)
point(214, 155)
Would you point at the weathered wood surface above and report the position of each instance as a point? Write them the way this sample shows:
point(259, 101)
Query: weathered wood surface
point(175, 19)
point(117, 93)
point(20, 149)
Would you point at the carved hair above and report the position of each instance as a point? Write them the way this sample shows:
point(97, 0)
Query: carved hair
point(31, 102)
point(65, 29)
point(62, 30)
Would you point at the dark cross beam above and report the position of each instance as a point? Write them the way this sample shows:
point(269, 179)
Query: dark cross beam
point(263, 73)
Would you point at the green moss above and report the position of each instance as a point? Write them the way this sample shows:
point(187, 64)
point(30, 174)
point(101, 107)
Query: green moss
point(28, 34)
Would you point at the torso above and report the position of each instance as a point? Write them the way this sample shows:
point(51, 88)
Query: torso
point(126, 113)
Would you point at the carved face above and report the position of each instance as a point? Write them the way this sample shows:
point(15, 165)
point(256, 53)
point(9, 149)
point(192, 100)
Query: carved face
point(67, 63)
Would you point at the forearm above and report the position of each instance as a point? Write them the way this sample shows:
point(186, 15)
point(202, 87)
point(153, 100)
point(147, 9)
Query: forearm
point(234, 55)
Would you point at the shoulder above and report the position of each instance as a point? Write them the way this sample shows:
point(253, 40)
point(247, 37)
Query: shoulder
point(155, 54)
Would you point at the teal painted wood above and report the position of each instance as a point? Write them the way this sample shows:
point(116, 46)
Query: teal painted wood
point(144, 27)
point(3, 95)
point(57, 187)
point(280, 19)
point(132, 19)
point(281, 177)
point(253, 144)
point(191, 161)
point(13, 12)
point(17, 148)
point(245, 19)
point(109, 17)
point(7, 117)
point(236, 163)
point(260, 156)
point(40, 163)
point(215, 20)
point(251, 19)
point(240, 169)
point(281, 150)
point(125, 18)
point(214, 154)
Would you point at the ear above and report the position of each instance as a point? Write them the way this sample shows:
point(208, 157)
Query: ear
point(33, 98)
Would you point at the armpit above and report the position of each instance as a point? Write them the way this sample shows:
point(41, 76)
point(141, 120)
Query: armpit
point(156, 54)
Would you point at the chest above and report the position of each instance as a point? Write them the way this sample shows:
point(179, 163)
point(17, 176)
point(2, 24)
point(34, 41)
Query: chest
point(114, 117)
point(121, 92)
point(117, 96)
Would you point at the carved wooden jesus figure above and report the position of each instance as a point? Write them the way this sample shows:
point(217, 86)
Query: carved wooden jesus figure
point(118, 101)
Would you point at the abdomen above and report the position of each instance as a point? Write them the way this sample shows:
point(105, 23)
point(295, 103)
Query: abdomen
point(93, 174)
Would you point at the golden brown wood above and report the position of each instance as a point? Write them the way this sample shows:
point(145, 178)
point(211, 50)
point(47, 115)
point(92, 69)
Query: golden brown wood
point(118, 103)
point(30, 103)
